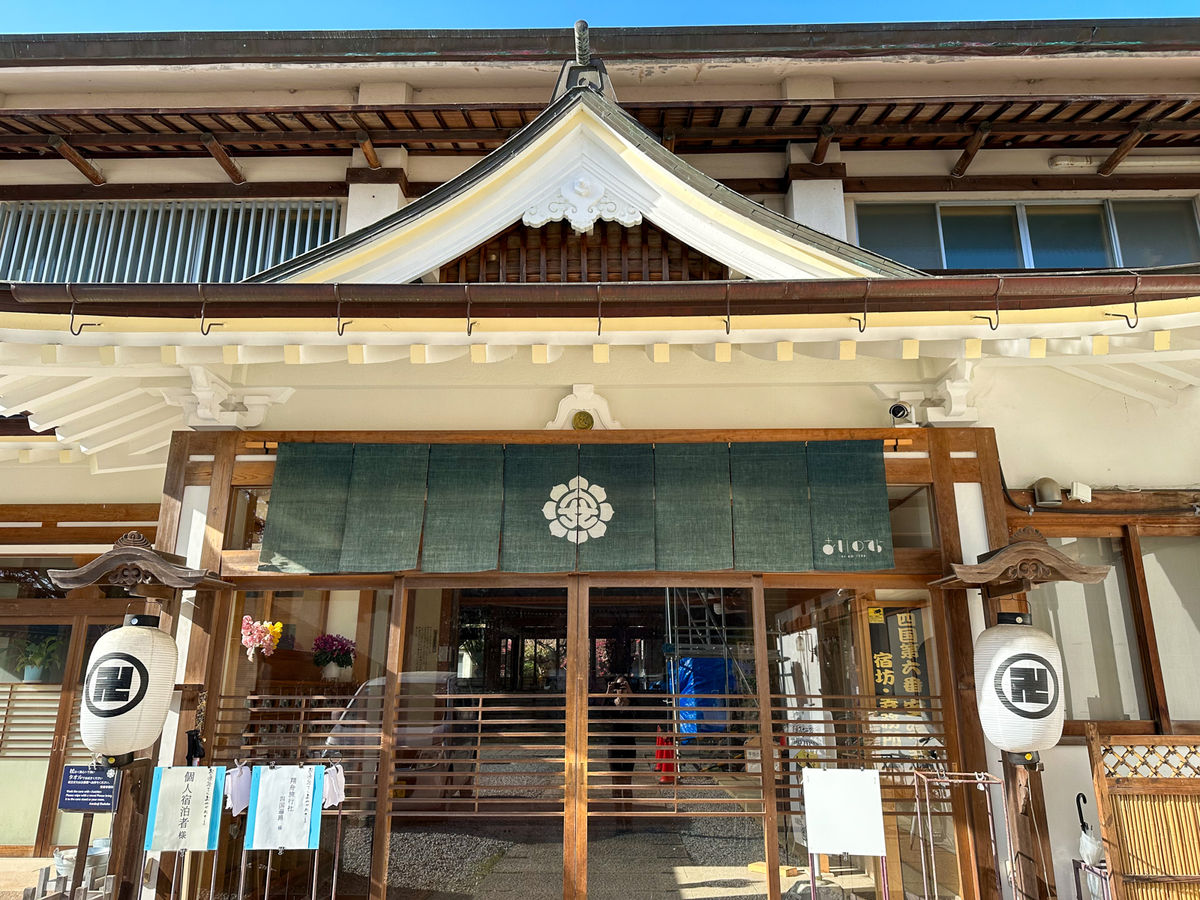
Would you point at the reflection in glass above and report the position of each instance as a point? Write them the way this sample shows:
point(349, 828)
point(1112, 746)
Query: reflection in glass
point(981, 237)
point(1093, 625)
point(1172, 567)
point(1069, 236)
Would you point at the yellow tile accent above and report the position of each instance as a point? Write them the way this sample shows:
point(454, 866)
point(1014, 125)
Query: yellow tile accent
point(416, 354)
point(847, 350)
point(291, 354)
point(1037, 348)
point(541, 354)
point(66, 456)
point(168, 355)
point(1100, 345)
point(1162, 341)
point(661, 353)
point(972, 348)
point(229, 355)
point(910, 349)
point(479, 353)
point(49, 353)
point(356, 354)
point(785, 351)
point(723, 351)
point(601, 353)
point(108, 355)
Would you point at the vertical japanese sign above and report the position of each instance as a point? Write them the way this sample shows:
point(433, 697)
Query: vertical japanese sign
point(898, 661)
point(285, 808)
point(899, 672)
point(185, 808)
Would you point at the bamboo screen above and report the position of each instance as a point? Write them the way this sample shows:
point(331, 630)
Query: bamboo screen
point(1148, 792)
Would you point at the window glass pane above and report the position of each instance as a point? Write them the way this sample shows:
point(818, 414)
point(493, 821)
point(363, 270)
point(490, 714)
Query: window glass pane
point(981, 237)
point(1173, 580)
point(905, 232)
point(1093, 626)
point(1069, 237)
point(1156, 232)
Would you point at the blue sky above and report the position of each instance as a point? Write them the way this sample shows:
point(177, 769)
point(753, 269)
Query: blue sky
point(20, 16)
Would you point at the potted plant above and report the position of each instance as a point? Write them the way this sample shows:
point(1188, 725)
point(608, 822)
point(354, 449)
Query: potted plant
point(332, 653)
point(37, 656)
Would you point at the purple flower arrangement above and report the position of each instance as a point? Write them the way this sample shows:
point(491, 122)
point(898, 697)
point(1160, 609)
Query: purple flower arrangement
point(333, 648)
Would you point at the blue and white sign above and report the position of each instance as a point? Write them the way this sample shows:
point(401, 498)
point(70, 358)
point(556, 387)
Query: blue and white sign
point(285, 808)
point(185, 808)
point(88, 789)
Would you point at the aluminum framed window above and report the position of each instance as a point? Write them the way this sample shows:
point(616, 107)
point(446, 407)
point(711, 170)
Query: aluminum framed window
point(1052, 234)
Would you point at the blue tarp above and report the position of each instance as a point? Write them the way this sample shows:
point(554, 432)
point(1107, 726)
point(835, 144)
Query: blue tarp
point(703, 675)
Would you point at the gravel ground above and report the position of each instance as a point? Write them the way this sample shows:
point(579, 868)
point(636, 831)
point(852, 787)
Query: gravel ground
point(428, 859)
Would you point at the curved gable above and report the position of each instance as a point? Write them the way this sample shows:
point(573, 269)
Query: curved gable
point(581, 161)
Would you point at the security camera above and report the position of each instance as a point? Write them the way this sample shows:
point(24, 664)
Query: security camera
point(900, 411)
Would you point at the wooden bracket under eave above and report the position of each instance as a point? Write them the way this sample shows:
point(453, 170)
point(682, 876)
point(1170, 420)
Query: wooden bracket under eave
point(368, 149)
point(213, 146)
point(73, 156)
point(1123, 149)
point(974, 145)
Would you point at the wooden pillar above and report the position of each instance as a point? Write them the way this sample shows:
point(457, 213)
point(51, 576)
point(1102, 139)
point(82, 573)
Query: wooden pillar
point(382, 837)
point(977, 867)
point(575, 749)
point(766, 743)
point(1025, 805)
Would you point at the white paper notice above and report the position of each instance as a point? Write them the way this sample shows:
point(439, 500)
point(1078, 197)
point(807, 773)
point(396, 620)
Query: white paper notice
point(845, 811)
point(185, 804)
point(285, 808)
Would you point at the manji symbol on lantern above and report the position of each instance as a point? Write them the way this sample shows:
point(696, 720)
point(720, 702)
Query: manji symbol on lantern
point(1018, 686)
point(127, 689)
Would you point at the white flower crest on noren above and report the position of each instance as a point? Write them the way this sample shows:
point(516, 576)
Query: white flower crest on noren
point(578, 510)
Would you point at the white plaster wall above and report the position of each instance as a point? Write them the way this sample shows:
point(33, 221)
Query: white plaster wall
point(1067, 774)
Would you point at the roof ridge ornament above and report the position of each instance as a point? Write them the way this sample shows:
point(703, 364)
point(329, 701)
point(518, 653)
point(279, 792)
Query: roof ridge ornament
point(583, 71)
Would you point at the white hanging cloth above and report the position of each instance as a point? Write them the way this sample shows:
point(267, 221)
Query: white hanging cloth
point(335, 787)
point(237, 788)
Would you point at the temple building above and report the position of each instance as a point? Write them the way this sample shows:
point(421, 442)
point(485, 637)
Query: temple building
point(576, 437)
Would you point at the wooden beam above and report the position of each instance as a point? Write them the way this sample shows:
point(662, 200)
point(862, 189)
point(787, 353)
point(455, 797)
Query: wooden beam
point(974, 145)
point(213, 146)
point(1124, 148)
point(824, 138)
point(368, 149)
point(259, 190)
point(71, 155)
point(799, 171)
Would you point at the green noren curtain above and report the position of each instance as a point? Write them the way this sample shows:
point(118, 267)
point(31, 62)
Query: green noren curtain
point(693, 522)
point(541, 503)
point(759, 507)
point(307, 512)
point(771, 528)
point(851, 525)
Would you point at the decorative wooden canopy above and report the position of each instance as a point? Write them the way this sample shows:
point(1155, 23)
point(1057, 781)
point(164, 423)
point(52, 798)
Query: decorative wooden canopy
point(907, 123)
point(1024, 564)
point(134, 565)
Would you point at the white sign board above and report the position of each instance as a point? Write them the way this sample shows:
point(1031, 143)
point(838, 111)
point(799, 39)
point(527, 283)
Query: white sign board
point(845, 811)
point(185, 808)
point(285, 808)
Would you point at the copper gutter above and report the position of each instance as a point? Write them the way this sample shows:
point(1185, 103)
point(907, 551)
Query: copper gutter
point(880, 295)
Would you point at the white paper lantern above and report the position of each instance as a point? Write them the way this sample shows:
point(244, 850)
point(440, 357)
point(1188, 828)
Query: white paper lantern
point(127, 690)
point(1018, 687)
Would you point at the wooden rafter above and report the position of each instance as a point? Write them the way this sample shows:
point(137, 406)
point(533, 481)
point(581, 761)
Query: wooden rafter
point(368, 149)
point(906, 123)
point(213, 146)
point(974, 145)
point(1124, 148)
point(73, 156)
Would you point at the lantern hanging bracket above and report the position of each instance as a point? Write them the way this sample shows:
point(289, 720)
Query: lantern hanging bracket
point(204, 303)
point(470, 324)
point(599, 311)
point(728, 314)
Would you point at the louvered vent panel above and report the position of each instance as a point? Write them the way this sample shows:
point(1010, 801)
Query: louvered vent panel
point(158, 241)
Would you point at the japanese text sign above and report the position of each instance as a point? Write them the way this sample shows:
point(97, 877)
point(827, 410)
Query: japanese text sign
point(285, 808)
point(185, 808)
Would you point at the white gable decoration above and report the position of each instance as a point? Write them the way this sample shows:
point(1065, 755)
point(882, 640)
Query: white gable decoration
point(583, 160)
